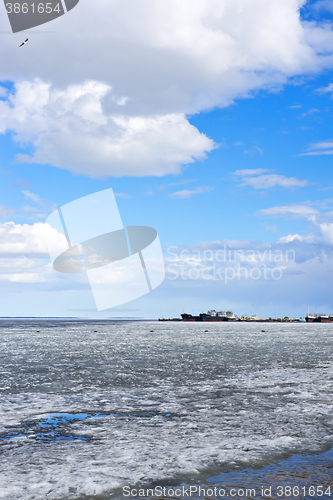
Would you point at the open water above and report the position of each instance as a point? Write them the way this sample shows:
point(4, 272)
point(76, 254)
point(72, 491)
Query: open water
point(88, 408)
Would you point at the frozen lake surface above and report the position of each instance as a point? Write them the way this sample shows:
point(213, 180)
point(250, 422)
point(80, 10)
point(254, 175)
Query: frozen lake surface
point(88, 407)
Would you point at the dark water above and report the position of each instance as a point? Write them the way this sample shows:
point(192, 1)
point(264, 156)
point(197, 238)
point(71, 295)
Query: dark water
point(88, 408)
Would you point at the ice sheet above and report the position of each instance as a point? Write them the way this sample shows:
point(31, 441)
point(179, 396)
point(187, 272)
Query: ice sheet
point(131, 406)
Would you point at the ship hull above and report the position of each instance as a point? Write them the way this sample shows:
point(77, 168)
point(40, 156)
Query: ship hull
point(189, 317)
point(209, 320)
point(318, 320)
point(206, 319)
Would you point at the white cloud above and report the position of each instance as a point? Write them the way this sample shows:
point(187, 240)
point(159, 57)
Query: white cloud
point(320, 148)
point(187, 193)
point(326, 229)
point(69, 129)
point(208, 262)
point(25, 239)
point(121, 101)
point(291, 237)
point(325, 90)
point(125, 196)
point(294, 210)
point(34, 197)
point(24, 270)
point(317, 153)
point(322, 145)
point(273, 180)
point(253, 151)
point(248, 172)
point(258, 180)
point(201, 270)
point(180, 183)
point(185, 53)
point(310, 112)
point(164, 60)
point(24, 255)
point(321, 222)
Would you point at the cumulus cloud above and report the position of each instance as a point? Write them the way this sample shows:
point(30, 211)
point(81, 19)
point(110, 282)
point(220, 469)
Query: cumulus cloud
point(29, 240)
point(191, 55)
point(69, 129)
point(321, 222)
point(326, 229)
point(164, 61)
point(293, 237)
point(258, 180)
point(24, 255)
point(187, 193)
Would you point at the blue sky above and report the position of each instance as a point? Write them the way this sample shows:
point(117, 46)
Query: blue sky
point(209, 153)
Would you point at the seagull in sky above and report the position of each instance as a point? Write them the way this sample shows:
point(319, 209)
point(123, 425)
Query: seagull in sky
point(25, 42)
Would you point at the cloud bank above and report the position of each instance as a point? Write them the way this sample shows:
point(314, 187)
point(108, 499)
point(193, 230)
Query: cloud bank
point(320, 222)
point(69, 129)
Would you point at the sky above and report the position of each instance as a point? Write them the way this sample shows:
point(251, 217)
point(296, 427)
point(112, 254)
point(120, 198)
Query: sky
point(212, 123)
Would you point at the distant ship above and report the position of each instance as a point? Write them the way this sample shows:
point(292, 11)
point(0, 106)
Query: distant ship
point(322, 318)
point(310, 318)
point(319, 318)
point(211, 316)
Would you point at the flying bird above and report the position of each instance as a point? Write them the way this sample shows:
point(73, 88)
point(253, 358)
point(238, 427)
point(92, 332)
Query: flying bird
point(25, 42)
